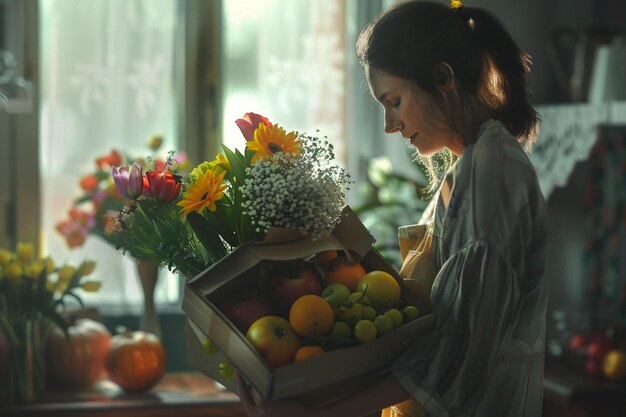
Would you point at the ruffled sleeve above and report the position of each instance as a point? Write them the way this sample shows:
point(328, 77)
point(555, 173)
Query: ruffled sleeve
point(476, 295)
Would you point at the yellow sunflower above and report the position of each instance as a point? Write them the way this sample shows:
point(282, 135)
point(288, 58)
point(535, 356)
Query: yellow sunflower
point(203, 193)
point(269, 140)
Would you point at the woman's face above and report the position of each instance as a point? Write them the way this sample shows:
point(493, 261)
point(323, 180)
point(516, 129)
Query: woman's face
point(413, 113)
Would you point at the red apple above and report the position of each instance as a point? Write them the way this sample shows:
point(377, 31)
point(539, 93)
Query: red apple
point(598, 348)
point(579, 341)
point(593, 367)
point(274, 339)
point(288, 283)
point(247, 310)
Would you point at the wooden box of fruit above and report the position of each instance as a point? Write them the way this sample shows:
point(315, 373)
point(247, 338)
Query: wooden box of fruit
point(307, 320)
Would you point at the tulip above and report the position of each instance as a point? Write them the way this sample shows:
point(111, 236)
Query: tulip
point(250, 123)
point(5, 256)
point(86, 268)
point(91, 286)
point(25, 251)
point(14, 271)
point(163, 186)
point(129, 183)
point(66, 273)
point(112, 159)
point(89, 183)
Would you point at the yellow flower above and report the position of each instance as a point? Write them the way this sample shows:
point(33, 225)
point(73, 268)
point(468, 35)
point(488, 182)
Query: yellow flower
point(91, 286)
point(34, 270)
point(14, 270)
point(203, 193)
point(269, 140)
point(5, 256)
point(86, 268)
point(455, 4)
point(220, 162)
point(59, 286)
point(25, 251)
point(200, 170)
point(66, 273)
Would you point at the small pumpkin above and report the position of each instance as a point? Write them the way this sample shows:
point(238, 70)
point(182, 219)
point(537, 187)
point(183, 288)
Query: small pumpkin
point(79, 361)
point(136, 361)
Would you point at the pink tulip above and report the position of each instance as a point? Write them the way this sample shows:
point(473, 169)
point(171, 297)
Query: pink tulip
point(163, 186)
point(250, 123)
point(129, 183)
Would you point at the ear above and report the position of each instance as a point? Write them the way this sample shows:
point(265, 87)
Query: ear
point(444, 77)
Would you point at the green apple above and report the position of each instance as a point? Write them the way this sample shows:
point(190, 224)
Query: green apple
point(336, 294)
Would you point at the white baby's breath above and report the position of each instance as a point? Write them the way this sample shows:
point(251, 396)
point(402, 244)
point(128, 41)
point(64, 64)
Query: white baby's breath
point(305, 192)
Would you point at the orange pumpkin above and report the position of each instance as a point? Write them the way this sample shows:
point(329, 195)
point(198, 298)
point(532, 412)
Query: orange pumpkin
point(79, 361)
point(136, 361)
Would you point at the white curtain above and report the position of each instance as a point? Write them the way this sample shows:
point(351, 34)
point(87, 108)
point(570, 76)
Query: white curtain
point(107, 83)
point(286, 60)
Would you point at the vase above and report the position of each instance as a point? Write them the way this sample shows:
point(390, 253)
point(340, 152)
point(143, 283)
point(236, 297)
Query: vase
point(24, 378)
point(148, 274)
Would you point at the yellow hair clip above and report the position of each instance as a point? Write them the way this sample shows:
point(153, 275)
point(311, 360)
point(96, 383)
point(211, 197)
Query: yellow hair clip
point(456, 4)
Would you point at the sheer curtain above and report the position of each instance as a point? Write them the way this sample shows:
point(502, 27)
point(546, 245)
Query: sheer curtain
point(107, 83)
point(286, 60)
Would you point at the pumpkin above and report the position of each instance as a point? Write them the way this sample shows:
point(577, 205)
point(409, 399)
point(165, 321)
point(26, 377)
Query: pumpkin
point(79, 361)
point(136, 361)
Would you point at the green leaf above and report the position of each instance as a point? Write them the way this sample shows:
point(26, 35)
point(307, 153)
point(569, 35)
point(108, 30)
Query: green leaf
point(207, 235)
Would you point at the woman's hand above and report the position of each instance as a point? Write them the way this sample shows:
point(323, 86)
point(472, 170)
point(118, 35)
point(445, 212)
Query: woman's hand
point(256, 406)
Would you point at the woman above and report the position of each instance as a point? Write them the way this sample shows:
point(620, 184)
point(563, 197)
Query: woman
point(453, 79)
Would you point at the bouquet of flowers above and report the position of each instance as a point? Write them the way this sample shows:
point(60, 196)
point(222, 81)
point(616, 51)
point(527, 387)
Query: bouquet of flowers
point(33, 293)
point(93, 211)
point(280, 180)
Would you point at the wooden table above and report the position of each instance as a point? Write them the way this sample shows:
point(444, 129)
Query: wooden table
point(178, 394)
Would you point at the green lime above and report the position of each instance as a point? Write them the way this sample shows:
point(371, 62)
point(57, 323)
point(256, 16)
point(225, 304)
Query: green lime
point(365, 331)
point(226, 370)
point(209, 346)
point(383, 324)
point(410, 313)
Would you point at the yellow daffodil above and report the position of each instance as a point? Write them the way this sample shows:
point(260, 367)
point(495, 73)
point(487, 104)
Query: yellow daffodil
point(66, 273)
point(14, 270)
point(25, 251)
point(86, 268)
point(269, 140)
point(91, 286)
point(203, 193)
point(220, 162)
point(5, 256)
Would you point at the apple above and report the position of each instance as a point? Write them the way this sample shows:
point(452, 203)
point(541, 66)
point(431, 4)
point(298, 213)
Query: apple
point(336, 294)
point(288, 283)
point(247, 310)
point(598, 348)
point(274, 339)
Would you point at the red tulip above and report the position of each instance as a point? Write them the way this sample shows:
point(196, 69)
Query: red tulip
point(112, 159)
point(163, 186)
point(250, 123)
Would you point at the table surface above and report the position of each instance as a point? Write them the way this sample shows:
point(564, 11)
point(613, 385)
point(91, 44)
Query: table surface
point(181, 394)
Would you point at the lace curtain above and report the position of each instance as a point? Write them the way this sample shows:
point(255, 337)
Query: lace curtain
point(107, 74)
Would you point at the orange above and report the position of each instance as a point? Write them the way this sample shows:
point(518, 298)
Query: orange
point(341, 271)
point(311, 316)
point(307, 352)
point(325, 256)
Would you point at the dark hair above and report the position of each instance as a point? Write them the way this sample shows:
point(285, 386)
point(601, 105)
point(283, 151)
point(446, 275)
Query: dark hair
point(412, 38)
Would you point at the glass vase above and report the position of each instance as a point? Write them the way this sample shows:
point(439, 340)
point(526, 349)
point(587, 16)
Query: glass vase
point(23, 380)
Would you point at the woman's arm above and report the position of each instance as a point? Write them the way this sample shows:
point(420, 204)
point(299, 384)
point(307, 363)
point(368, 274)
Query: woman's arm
point(368, 401)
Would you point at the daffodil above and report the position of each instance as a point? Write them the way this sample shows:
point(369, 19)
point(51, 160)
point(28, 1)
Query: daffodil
point(203, 193)
point(269, 140)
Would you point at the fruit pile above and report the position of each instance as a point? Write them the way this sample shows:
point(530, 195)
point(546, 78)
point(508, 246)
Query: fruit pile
point(304, 308)
point(603, 354)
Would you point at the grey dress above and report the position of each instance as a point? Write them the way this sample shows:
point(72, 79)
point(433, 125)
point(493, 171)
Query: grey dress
point(485, 355)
